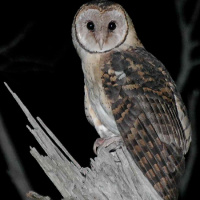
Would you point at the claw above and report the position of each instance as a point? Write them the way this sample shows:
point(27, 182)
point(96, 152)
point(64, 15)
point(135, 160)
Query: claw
point(106, 142)
point(98, 142)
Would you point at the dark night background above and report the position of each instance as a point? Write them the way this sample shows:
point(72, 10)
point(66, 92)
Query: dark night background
point(40, 64)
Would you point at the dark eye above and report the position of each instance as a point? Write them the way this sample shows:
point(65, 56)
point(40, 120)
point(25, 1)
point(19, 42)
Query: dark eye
point(90, 26)
point(112, 26)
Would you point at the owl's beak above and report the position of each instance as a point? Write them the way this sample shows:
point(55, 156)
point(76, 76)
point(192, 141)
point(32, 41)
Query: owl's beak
point(100, 37)
point(101, 43)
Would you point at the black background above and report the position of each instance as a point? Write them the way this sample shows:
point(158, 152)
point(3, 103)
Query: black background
point(40, 64)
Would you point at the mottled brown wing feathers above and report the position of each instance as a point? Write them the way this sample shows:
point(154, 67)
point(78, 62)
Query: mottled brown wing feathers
point(142, 95)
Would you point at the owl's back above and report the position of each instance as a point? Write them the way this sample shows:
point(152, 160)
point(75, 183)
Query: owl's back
point(147, 107)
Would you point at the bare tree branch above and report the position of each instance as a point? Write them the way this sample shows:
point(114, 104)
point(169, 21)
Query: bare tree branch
point(196, 62)
point(193, 149)
point(16, 40)
point(188, 45)
point(15, 168)
point(36, 61)
point(112, 175)
point(195, 13)
point(195, 44)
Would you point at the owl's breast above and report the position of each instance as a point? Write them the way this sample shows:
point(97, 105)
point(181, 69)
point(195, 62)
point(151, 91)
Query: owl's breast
point(97, 97)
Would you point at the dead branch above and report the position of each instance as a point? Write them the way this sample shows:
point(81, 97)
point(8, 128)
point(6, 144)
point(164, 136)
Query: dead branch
point(111, 176)
point(16, 40)
point(193, 149)
point(15, 168)
point(188, 44)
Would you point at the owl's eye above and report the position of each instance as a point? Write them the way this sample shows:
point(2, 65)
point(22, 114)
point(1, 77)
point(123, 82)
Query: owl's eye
point(90, 26)
point(112, 26)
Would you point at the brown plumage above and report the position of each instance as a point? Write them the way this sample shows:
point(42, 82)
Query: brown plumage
point(144, 107)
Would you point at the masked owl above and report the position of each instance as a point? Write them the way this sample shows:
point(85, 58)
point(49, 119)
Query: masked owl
point(129, 93)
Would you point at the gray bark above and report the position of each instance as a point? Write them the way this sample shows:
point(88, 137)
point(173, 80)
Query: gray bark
point(113, 176)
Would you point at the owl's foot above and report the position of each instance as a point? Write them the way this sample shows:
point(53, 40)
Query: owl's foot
point(112, 143)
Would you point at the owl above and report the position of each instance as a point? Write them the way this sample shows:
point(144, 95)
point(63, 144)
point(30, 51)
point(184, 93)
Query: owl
point(130, 94)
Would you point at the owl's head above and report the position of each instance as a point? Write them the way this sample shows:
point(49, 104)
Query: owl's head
point(101, 26)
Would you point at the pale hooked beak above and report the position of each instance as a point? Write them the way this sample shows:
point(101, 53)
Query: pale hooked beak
point(101, 38)
point(101, 43)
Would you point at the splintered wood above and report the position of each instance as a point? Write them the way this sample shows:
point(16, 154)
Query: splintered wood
point(112, 176)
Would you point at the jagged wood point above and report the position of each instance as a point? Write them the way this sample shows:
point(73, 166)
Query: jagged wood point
point(113, 176)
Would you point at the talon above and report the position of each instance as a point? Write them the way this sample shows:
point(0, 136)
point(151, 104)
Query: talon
point(105, 142)
point(98, 142)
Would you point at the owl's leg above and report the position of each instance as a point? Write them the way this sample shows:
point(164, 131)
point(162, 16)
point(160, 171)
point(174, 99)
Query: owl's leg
point(94, 120)
point(108, 139)
point(88, 108)
point(111, 143)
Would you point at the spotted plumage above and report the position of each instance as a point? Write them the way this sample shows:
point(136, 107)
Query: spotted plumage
point(144, 106)
point(129, 92)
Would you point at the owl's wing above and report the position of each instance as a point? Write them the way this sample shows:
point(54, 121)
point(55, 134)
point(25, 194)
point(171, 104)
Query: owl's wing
point(150, 116)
